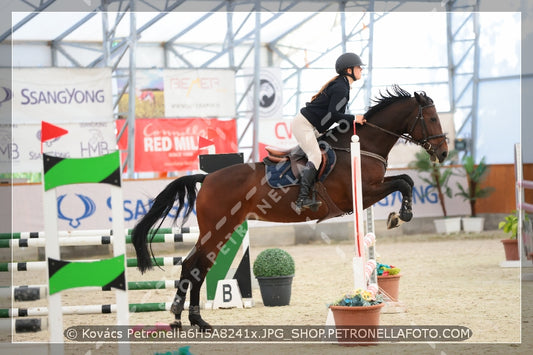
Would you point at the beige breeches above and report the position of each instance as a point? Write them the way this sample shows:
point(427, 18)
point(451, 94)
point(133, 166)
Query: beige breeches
point(306, 136)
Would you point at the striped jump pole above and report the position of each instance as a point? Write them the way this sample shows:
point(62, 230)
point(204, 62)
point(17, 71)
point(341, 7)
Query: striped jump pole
point(86, 309)
point(186, 238)
point(42, 265)
point(37, 292)
point(93, 232)
point(23, 325)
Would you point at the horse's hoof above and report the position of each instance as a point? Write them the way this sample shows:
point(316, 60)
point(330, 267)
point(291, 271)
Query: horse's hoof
point(196, 319)
point(393, 221)
point(176, 325)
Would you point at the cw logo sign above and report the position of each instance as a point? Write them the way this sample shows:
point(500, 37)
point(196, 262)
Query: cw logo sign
point(89, 207)
point(283, 130)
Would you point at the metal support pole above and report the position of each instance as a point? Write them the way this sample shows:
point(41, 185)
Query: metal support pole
point(257, 81)
point(451, 66)
point(106, 48)
point(342, 8)
point(229, 35)
point(475, 89)
point(368, 76)
point(131, 91)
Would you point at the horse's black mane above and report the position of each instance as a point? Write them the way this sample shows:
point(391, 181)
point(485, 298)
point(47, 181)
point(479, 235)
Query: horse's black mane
point(392, 95)
point(397, 94)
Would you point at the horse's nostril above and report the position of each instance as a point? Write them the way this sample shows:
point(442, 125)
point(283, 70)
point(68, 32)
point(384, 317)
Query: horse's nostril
point(444, 154)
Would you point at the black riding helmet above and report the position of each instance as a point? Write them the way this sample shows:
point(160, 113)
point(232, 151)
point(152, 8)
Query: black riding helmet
point(347, 60)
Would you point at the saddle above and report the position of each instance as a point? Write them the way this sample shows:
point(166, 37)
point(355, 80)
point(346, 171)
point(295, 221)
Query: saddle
point(283, 168)
point(296, 159)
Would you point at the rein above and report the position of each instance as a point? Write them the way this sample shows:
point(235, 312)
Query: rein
point(424, 143)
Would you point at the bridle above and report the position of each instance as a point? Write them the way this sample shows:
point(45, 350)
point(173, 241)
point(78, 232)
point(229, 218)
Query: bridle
point(424, 142)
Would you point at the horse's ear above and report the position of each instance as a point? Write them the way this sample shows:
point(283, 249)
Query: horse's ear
point(417, 97)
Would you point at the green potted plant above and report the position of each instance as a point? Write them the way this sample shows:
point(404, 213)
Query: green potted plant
point(510, 245)
point(274, 270)
point(437, 176)
point(389, 281)
point(475, 174)
point(360, 308)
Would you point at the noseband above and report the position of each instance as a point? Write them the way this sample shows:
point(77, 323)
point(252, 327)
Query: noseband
point(424, 142)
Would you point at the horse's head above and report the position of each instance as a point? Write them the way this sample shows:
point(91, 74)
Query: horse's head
point(426, 128)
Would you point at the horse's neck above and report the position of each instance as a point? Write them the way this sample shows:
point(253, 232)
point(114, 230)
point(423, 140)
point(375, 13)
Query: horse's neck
point(393, 119)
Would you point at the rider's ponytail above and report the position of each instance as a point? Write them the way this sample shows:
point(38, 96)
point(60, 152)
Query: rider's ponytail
point(323, 88)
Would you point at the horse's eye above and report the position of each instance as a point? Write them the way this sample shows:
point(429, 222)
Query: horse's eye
point(433, 119)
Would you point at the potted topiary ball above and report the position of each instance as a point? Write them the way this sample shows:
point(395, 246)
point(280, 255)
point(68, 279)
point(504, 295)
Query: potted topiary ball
point(274, 270)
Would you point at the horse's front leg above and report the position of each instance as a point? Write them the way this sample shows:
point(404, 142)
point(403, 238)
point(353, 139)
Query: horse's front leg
point(404, 184)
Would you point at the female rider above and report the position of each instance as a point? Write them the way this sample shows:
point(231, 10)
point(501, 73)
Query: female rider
point(326, 108)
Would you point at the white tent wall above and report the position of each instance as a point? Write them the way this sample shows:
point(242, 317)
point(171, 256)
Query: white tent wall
point(499, 67)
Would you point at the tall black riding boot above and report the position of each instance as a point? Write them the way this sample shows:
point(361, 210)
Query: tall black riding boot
point(307, 181)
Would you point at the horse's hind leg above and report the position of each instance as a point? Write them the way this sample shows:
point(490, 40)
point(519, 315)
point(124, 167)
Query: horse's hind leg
point(179, 302)
point(181, 293)
point(198, 276)
point(404, 184)
point(193, 272)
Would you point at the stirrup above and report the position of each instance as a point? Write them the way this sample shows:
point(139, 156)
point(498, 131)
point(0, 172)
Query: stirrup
point(315, 204)
point(312, 203)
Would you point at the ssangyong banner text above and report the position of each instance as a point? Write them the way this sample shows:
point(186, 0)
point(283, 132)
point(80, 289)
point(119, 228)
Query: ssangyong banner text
point(60, 95)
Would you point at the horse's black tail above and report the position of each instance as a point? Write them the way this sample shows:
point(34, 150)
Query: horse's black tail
point(177, 190)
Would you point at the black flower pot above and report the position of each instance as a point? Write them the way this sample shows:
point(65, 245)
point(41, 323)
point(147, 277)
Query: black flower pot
point(276, 290)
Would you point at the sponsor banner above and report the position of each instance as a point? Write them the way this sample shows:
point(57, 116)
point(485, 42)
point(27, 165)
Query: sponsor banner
point(84, 206)
point(6, 95)
point(270, 93)
point(149, 94)
point(199, 93)
point(88, 206)
point(425, 198)
point(60, 95)
point(276, 133)
point(163, 145)
point(20, 144)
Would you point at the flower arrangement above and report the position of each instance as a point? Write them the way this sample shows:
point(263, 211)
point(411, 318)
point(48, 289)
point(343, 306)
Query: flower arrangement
point(359, 298)
point(387, 270)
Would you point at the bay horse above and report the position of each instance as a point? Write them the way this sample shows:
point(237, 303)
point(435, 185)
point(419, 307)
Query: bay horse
point(230, 195)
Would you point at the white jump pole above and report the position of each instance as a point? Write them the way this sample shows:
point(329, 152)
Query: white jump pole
point(357, 193)
point(358, 262)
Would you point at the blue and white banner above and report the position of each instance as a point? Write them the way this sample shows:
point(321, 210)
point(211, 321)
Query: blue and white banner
point(88, 206)
point(20, 144)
